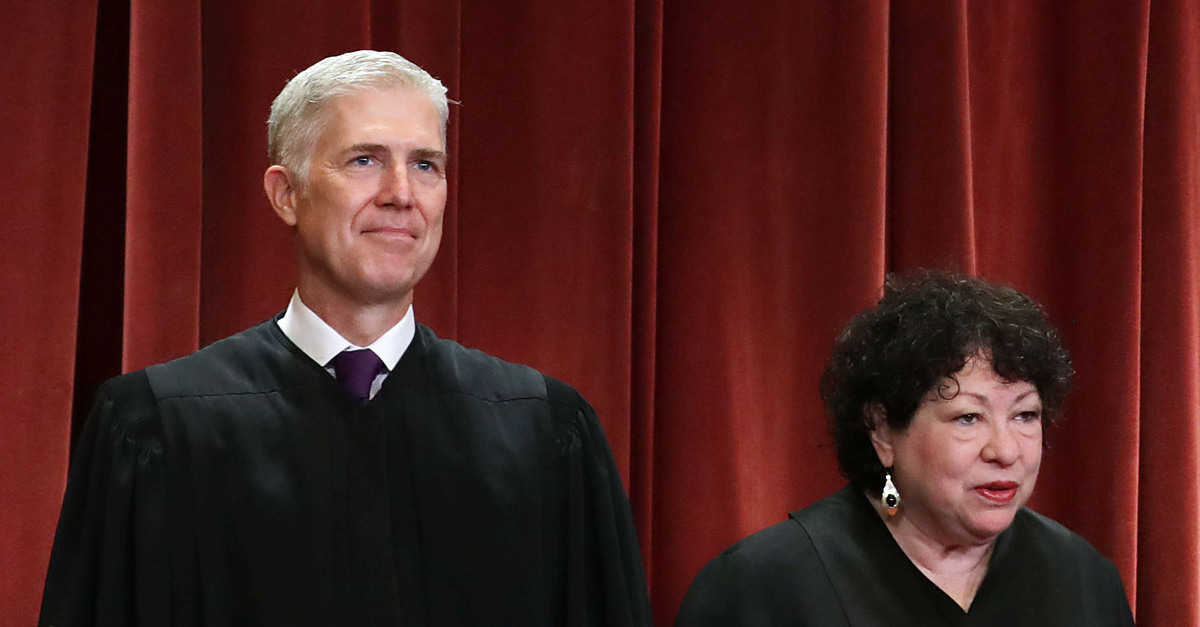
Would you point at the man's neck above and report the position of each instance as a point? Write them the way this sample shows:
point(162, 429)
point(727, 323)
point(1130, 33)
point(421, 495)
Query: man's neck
point(359, 323)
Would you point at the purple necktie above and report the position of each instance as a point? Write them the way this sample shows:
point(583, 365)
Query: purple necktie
point(356, 370)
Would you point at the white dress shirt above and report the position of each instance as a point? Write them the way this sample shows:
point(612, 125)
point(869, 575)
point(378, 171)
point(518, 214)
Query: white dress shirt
point(321, 342)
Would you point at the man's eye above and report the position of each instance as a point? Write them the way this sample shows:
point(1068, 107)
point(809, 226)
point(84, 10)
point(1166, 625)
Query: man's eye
point(362, 160)
point(426, 166)
point(967, 419)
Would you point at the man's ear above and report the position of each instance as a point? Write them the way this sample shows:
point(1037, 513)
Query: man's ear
point(881, 432)
point(280, 186)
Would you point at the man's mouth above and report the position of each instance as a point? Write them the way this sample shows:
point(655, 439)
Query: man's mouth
point(390, 232)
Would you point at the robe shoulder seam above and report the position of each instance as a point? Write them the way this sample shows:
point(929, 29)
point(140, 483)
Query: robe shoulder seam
point(131, 405)
point(165, 397)
point(494, 401)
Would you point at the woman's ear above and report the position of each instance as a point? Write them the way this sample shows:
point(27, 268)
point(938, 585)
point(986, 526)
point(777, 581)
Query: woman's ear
point(881, 433)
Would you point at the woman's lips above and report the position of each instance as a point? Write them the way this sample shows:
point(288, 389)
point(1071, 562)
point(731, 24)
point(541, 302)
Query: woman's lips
point(998, 491)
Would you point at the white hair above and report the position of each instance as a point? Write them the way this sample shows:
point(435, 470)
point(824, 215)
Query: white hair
point(295, 122)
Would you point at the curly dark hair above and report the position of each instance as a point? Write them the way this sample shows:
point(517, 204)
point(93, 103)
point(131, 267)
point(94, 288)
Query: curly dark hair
point(922, 331)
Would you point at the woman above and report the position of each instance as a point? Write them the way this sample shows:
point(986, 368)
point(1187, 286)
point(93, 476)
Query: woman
point(937, 399)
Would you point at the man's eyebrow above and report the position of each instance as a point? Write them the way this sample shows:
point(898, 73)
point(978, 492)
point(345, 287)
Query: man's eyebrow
point(429, 154)
point(420, 154)
point(366, 147)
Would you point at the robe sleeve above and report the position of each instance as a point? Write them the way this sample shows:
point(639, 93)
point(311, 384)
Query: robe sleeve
point(108, 561)
point(1103, 581)
point(605, 581)
point(725, 592)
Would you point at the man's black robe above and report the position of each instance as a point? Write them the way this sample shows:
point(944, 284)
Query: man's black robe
point(241, 486)
point(834, 564)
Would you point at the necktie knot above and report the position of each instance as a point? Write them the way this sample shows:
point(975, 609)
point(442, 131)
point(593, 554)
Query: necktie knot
point(356, 370)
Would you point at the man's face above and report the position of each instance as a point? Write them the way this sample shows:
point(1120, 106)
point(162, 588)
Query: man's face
point(368, 220)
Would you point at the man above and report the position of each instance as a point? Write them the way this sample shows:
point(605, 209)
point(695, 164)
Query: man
point(341, 465)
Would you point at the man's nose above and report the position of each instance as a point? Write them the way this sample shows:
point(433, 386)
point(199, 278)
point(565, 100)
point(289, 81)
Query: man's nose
point(395, 189)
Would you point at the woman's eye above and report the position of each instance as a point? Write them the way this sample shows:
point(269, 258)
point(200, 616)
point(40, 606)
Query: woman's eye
point(967, 419)
point(1029, 416)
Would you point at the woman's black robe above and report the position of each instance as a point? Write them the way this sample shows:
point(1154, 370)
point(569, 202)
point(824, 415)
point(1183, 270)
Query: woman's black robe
point(834, 564)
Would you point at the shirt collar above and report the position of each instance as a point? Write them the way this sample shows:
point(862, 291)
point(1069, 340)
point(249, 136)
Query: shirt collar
point(315, 338)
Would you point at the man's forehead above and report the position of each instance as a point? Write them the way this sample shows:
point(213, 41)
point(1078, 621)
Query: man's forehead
point(354, 97)
point(359, 117)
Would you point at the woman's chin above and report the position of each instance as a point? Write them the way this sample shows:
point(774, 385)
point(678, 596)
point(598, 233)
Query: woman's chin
point(987, 525)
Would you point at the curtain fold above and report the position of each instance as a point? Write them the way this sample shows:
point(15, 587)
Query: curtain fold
point(931, 209)
point(1168, 512)
point(44, 104)
point(164, 161)
point(647, 126)
point(545, 214)
point(673, 208)
point(772, 233)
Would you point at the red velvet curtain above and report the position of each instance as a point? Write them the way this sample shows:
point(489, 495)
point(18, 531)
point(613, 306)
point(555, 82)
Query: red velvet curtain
point(672, 206)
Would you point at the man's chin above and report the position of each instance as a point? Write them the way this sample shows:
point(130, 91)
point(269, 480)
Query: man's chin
point(396, 295)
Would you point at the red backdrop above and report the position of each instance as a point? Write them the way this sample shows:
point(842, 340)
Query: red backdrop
point(673, 206)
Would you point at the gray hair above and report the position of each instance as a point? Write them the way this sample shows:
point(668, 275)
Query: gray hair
point(295, 123)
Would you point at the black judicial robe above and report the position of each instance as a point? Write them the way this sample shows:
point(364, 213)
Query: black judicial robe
point(241, 486)
point(834, 564)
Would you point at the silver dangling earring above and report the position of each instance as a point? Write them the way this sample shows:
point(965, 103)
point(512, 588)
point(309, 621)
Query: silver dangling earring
point(891, 496)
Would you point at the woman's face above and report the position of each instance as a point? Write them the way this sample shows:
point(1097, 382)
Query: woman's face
point(966, 464)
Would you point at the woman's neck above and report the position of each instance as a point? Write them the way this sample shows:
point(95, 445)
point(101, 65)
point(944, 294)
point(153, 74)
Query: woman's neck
point(958, 568)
